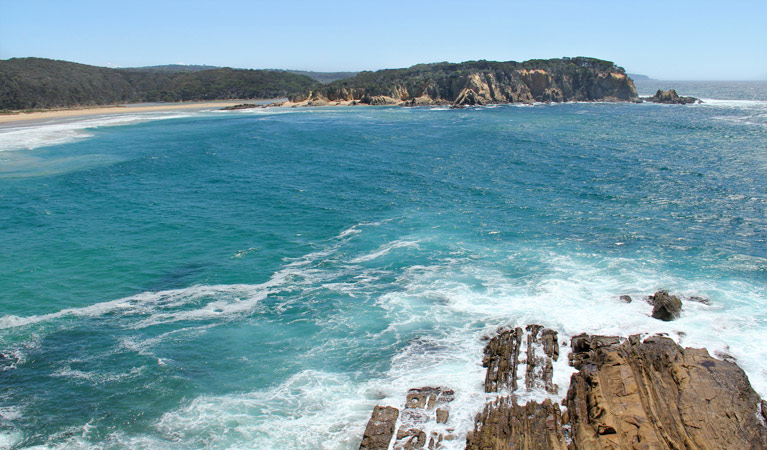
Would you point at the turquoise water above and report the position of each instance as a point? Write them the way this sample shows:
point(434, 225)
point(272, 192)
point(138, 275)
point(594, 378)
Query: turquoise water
point(261, 279)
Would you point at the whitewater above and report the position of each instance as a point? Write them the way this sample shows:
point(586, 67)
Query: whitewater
point(262, 279)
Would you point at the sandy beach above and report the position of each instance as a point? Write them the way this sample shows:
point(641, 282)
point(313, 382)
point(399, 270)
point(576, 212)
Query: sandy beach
point(118, 109)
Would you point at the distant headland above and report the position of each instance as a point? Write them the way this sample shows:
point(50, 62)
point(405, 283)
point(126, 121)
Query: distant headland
point(34, 84)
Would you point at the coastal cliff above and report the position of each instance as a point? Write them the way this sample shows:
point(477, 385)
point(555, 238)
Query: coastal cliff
point(626, 393)
point(482, 82)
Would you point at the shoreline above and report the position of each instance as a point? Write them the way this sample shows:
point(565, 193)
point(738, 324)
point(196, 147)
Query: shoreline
point(21, 118)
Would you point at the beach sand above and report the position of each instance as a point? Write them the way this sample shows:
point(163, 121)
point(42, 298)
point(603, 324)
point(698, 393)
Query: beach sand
point(121, 109)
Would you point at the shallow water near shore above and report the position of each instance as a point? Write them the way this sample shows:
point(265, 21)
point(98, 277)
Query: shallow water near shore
point(263, 278)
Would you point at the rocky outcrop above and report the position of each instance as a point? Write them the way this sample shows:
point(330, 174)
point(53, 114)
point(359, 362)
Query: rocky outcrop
point(627, 393)
point(423, 422)
point(503, 362)
point(504, 424)
point(241, 106)
point(380, 428)
point(665, 307)
point(670, 97)
point(630, 394)
point(485, 82)
point(655, 394)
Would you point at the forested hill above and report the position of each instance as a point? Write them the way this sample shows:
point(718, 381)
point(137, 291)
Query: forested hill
point(483, 82)
point(37, 83)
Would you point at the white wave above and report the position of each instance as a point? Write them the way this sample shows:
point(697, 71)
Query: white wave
point(383, 250)
point(311, 410)
point(152, 308)
point(64, 131)
point(96, 377)
point(750, 104)
point(582, 296)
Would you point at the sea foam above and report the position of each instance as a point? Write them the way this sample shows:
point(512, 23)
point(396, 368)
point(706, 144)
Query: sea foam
point(62, 131)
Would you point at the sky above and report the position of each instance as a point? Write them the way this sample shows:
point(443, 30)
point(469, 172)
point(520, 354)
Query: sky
point(670, 40)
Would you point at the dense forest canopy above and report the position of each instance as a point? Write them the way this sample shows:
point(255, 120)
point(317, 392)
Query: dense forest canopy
point(37, 83)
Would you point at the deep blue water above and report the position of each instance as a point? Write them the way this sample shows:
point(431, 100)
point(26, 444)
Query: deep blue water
point(262, 279)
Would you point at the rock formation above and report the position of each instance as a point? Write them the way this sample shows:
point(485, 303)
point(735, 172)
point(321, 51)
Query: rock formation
point(672, 98)
point(484, 82)
point(655, 394)
point(505, 425)
point(627, 393)
point(423, 422)
point(665, 307)
point(380, 428)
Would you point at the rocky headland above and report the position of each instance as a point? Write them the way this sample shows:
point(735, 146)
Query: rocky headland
point(480, 83)
point(626, 393)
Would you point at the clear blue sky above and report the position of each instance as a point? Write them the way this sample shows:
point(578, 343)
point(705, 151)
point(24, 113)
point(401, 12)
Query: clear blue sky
point(663, 39)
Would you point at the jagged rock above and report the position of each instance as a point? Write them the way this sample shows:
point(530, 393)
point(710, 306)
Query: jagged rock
point(377, 100)
point(626, 298)
point(665, 307)
point(505, 425)
point(380, 428)
point(654, 394)
point(672, 98)
point(550, 343)
point(410, 439)
point(627, 394)
point(425, 407)
point(240, 106)
point(486, 82)
point(442, 415)
point(583, 343)
point(701, 300)
point(501, 359)
point(540, 370)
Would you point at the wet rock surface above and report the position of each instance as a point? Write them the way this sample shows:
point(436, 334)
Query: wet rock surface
point(504, 424)
point(423, 422)
point(656, 394)
point(665, 307)
point(627, 393)
point(380, 428)
point(670, 97)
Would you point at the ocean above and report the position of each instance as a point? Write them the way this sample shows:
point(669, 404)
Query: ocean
point(261, 279)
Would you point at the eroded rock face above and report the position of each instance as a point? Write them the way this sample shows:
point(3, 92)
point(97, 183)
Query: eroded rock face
point(423, 422)
point(481, 83)
point(626, 394)
point(505, 425)
point(502, 359)
point(630, 394)
point(665, 307)
point(672, 98)
point(380, 428)
point(655, 394)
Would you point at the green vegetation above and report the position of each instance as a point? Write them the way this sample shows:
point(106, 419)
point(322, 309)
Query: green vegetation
point(36, 83)
point(324, 77)
point(441, 80)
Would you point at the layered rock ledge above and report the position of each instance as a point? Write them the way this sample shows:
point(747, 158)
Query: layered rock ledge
point(481, 83)
point(627, 393)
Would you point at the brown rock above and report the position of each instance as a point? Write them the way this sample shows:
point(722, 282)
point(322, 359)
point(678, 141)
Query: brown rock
point(442, 415)
point(626, 298)
point(671, 97)
point(380, 428)
point(501, 359)
point(409, 439)
point(505, 425)
point(654, 394)
point(550, 343)
point(665, 307)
